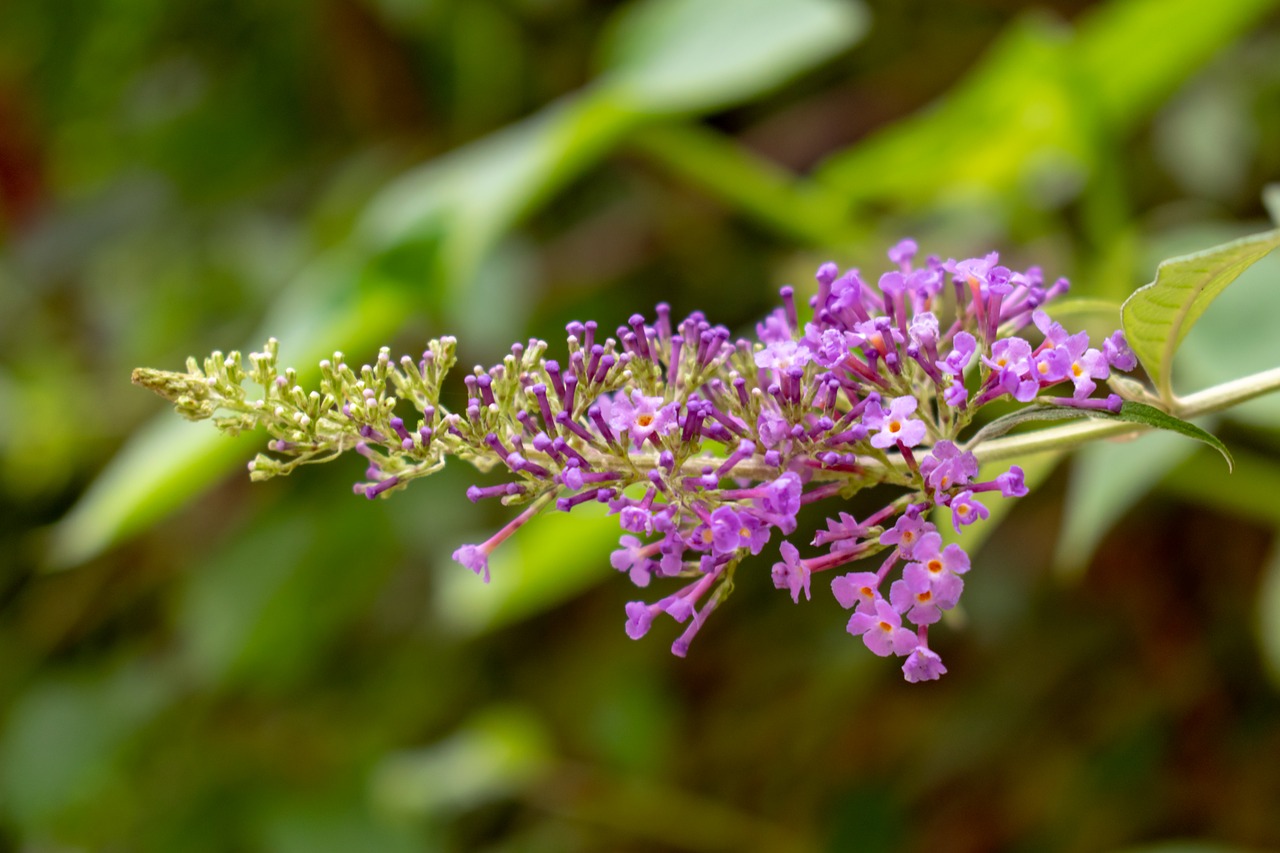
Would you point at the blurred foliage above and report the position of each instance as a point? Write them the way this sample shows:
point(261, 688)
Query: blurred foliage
point(284, 667)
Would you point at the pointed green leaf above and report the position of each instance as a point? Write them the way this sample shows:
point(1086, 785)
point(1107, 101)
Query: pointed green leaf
point(1002, 425)
point(1141, 413)
point(1158, 316)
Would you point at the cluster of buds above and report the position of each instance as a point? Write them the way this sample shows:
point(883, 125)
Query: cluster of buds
point(704, 445)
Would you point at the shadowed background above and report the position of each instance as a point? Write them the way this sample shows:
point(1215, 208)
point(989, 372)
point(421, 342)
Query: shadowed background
point(189, 662)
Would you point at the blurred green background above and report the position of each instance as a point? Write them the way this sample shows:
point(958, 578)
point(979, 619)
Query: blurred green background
point(189, 662)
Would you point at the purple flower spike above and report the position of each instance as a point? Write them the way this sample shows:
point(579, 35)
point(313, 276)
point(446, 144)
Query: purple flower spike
point(882, 631)
point(923, 664)
point(895, 425)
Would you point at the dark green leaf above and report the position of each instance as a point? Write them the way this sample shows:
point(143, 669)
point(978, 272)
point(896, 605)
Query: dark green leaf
point(1141, 413)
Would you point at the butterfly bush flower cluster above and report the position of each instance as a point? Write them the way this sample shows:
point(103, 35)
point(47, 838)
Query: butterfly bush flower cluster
point(706, 446)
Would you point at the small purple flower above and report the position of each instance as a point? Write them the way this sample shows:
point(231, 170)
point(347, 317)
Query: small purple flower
point(1011, 362)
point(894, 425)
point(630, 558)
point(830, 347)
point(936, 567)
point(1012, 483)
point(636, 519)
point(781, 501)
point(475, 558)
point(923, 664)
point(642, 416)
point(946, 467)
point(963, 346)
point(924, 329)
point(879, 334)
point(639, 618)
point(882, 631)
point(904, 252)
point(1117, 352)
point(772, 428)
point(956, 396)
point(857, 589)
point(791, 573)
point(725, 530)
point(966, 510)
point(921, 607)
point(783, 355)
point(906, 533)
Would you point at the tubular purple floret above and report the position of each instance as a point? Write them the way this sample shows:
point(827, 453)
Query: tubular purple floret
point(497, 446)
point(571, 393)
point(673, 366)
point(516, 462)
point(589, 335)
point(557, 381)
point(372, 490)
point(544, 406)
point(636, 321)
point(602, 370)
point(597, 352)
point(788, 294)
point(602, 425)
point(478, 493)
point(563, 420)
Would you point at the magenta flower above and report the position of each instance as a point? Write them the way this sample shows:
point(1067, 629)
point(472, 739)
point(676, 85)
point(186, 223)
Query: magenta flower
point(857, 589)
point(923, 664)
point(937, 568)
point(882, 631)
point(966, 510)
point(475, 558)
point(963, 346)
point(1117, 352)
point(1011, 363)
point(920, 607)
point(1012, 483)
point(906, 533)
point(783, 355)
point(630, 558)
point(639, 618)
point(946, 467)
point(642, 416)
point(894, 425)
point(791, 573)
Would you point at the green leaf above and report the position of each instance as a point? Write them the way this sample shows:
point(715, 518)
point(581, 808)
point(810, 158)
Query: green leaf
point(674, 56)
point(1158, 316)
point(1003, 424)
point(1141, 413)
